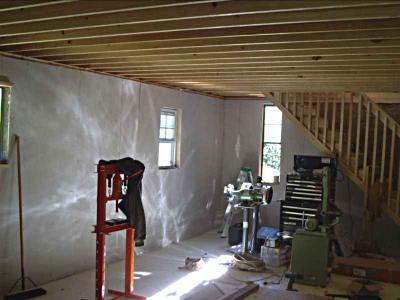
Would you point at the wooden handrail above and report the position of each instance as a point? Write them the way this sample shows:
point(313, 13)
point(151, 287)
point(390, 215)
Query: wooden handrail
point(363, 166)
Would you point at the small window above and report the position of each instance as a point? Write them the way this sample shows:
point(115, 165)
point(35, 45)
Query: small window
point(5, 98)
point(271, 147)
point(168, 139)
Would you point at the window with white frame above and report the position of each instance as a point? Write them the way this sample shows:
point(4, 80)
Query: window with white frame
point(271, 147)
point(168, 139)
point(5, 98)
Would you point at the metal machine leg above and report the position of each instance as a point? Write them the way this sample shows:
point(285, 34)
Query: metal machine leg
point(100, 265)
point(129, 270)
point(227, 221)
point(245, 237)
point(256, 212)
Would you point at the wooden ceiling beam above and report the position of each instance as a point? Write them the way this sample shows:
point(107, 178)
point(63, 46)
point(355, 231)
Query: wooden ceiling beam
point(9, 6)
point(248, 54)
point(28, 35)
point(63, 9)
point(318, 27)
point(277, 12)
point(257, 70)
point(258, 65)
point(282, 48)
point(353, 59)
point(366, 78)
point(245, 72)
point(374, 36)
point(214, 76)
point(307, 87)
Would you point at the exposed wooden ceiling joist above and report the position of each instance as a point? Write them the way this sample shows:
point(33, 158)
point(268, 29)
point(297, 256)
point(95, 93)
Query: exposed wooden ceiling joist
point(74, 8)
point(315, 27)
point(9, 6)
point(220, 48)
point(282, 48)
point(374, 37)
point(272, 12)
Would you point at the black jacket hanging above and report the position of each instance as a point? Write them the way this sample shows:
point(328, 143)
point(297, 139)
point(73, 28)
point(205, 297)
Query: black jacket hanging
point(131, 204)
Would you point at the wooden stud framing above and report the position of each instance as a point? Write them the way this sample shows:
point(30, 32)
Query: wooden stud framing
point(326, 105)
point(359, 100)
point(341, 128)
point(366, 138)
point(333, 126)
point(350, 129)
point(310, 113)
point(302, 108)
point(398, 193)
point(383, 157)
point(318, 115)
point(375, 146)
point(392, 153)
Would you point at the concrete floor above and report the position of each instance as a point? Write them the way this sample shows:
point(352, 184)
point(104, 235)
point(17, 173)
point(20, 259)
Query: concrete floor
point(158, 276)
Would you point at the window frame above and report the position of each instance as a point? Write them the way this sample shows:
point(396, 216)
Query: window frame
point(272, 143)
point(175, 141)
point(5, 139)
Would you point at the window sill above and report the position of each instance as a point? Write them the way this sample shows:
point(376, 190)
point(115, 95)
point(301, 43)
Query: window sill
point(4, 165)
point(168, 168)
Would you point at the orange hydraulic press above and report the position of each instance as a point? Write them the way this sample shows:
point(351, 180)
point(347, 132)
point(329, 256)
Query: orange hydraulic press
point(110, 187)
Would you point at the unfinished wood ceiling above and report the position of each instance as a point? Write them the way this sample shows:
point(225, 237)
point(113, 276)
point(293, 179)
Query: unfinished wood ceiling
point(221, 48)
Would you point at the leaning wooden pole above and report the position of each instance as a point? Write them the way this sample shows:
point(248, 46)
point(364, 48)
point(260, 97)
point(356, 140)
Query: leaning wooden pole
point(21, 219)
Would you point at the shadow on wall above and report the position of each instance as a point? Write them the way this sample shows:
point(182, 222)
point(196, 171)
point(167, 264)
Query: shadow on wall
point(67, 121)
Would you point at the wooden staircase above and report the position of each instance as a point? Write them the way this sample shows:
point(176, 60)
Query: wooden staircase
point(359, 133)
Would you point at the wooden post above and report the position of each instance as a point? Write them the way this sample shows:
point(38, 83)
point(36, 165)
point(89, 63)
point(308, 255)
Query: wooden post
point(383, 158)
point(350, 129)
point(325, 118)
point(375, 147)
point(333, 132)
point(366, 138)
point(398, 193)
point(302, 108)
point(392, 147)
point(309, 110)
point(295, 105)
point(341, 125)
point(318, 115)
point(359, 97)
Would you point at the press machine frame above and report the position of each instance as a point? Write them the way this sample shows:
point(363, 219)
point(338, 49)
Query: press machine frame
point(102, 229)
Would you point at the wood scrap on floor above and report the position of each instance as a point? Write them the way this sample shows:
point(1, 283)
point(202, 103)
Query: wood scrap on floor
point(274, 294)
point(212, 291)
point(242, 292)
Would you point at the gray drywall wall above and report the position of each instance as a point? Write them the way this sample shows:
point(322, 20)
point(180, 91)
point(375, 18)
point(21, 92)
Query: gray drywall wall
point(243, 121)
point(67, 121)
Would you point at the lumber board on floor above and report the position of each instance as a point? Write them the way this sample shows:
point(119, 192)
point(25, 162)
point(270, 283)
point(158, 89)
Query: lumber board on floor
point(242, 292)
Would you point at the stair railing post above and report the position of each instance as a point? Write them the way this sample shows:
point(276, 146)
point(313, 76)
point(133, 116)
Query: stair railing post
point(333, 129)
point(375, 146)
point(392, 147)
point(341, 128)
point(366, 138)
point(359, 98)
point(350, 130)
point(383, 158)
point(326, 104)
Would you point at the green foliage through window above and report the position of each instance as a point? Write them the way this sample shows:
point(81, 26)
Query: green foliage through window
point(272, 156)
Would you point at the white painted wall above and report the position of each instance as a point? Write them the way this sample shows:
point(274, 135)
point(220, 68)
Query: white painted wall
point(67, 121)
point(243, 123)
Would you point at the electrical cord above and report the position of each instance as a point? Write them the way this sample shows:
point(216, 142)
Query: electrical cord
point(247, 262)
